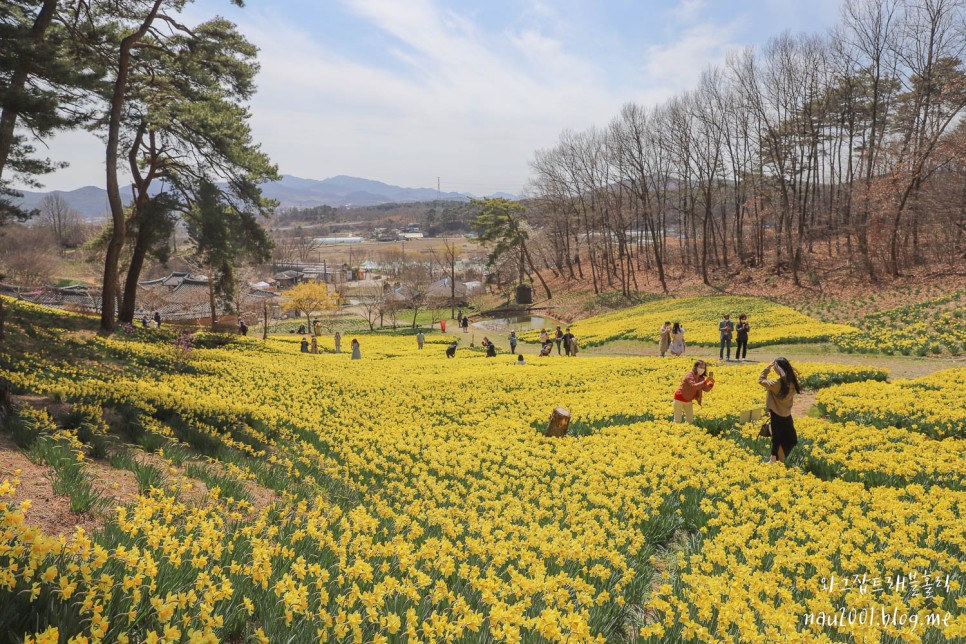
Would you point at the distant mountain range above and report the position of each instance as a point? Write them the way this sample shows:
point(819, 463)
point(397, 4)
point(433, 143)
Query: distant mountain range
point(340, 191)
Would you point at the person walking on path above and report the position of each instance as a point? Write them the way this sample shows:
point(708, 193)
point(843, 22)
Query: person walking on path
point(677, 340)
point(779, 400)
point(356, 350)
point(338, 342)
point(420, 339)
point(305, 344)
point(558, 338)
point(741, 345)
point(725, 328)
point(513, 341)
point(665, 334)
point(466, 324)
point(691, 389)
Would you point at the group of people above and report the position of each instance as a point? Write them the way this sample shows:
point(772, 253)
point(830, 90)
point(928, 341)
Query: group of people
point(312, 346)
point(567, 339)
point(564, 340)
point(672, 338)
point(462, 321)
point(153, 322)
point(779, 400)
point(726, 330)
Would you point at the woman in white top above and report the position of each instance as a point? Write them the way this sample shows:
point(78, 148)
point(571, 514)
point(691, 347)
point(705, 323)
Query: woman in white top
point(677, 340)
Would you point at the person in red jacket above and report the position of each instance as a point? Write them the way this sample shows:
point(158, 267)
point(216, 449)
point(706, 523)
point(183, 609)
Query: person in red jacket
point(693, 385)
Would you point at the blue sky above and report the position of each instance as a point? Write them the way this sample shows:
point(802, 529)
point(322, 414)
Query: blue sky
point(405, 91)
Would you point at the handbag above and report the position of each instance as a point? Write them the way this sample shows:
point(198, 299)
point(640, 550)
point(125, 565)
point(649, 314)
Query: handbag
point(765, 431)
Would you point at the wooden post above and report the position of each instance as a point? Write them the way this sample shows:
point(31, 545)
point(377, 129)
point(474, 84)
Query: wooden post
point(559, 422)
point(264, 321)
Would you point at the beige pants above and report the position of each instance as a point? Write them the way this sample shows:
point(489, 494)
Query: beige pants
point(685, 409)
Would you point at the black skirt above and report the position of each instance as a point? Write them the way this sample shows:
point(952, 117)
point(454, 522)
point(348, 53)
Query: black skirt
point(782, 434)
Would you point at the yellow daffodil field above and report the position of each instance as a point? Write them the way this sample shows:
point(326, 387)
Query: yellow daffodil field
point(412, 497)
point(930, 327)
point(929, 405)
point(771, 323)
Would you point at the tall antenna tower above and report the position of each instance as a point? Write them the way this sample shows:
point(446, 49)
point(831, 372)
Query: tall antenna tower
point(436, 214)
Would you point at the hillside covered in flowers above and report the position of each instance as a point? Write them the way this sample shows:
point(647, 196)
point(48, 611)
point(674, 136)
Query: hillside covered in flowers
point(410, 497)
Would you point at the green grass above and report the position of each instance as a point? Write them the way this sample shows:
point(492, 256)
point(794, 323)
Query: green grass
point(148, 477)
point(68, 477)
point(228, 486)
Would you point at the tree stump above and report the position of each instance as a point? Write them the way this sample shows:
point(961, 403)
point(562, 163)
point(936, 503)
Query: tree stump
point(559, 422)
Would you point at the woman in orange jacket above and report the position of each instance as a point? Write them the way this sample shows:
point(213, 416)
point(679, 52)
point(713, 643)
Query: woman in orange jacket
point(691, 389)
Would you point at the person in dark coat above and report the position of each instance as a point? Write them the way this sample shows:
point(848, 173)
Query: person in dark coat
point(568, 341)
point(741, 351)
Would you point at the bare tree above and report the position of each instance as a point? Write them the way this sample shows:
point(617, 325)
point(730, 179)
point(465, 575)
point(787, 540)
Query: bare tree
point(372, 300)
point(847, 138)
point(447, 259)
point(63, 221)
point(27, 254)
point(303, 242)
point(414, 282)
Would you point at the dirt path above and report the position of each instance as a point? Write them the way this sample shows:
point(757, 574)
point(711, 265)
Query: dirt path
point(897, 366)
point(803, 402)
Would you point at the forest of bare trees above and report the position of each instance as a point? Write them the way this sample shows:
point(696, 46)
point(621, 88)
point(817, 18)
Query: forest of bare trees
point(817, 152)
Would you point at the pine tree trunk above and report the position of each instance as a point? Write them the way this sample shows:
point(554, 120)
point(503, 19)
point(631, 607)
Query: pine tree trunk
point(110, 285)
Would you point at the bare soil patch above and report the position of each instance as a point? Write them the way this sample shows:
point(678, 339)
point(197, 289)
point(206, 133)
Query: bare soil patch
point(118, 486)
point(48, 511)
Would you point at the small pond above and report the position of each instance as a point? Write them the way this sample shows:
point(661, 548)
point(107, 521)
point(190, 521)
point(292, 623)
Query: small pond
point(518, 323)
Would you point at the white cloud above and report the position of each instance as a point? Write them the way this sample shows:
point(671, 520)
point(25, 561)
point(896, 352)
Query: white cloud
point(455, 104)
point(688, 10)
point(678, 64)
point(436, 94)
